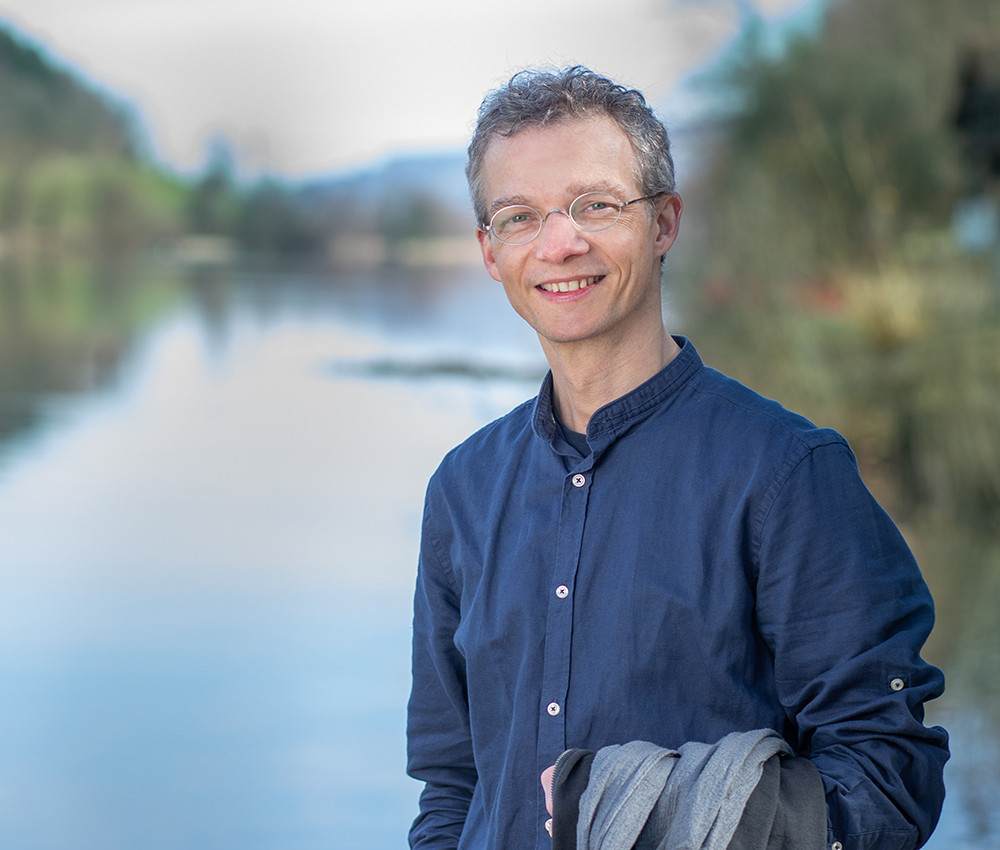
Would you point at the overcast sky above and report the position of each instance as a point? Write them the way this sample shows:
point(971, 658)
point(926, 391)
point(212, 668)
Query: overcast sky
point(305, 87)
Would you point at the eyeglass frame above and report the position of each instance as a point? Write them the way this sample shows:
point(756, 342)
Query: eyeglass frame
point(488, 228)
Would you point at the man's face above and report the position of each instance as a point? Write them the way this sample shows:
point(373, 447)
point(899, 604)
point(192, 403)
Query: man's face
point(612, 277)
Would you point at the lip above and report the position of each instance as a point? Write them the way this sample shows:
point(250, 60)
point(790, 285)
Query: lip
point(569, 286)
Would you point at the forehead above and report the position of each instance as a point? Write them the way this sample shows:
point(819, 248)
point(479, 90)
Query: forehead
point(548, 163)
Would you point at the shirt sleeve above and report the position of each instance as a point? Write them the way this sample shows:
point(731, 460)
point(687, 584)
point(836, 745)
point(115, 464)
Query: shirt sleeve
point(438, 738)
point(844, 609)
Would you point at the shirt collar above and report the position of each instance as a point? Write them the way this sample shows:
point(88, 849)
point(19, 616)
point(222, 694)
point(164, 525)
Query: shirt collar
point(616, 417)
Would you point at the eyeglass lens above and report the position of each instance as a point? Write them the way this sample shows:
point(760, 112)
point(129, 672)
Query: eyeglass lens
point(591, 211)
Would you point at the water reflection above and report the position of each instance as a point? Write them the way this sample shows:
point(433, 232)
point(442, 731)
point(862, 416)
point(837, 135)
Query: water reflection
point(208, 551)
point(210, 487)
point(63, 330)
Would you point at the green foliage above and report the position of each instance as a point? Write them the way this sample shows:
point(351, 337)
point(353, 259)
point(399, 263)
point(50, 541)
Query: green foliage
point(212, 205)
point(832, 280)
point(46, 111)
point(269, 221)
point(70, 177)
point(413, 215)
point(85, 204)
point(844, 143)
point(72, 182)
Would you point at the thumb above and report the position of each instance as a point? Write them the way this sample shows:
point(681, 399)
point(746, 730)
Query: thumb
point(546, 778)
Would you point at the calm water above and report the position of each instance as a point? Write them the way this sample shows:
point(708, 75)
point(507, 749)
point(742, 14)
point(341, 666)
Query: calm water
point(210, 492)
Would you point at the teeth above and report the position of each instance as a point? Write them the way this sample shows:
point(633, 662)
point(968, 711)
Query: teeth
point(569, 285)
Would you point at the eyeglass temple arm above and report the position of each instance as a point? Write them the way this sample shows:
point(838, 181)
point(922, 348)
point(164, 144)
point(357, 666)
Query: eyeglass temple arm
point(646, 197)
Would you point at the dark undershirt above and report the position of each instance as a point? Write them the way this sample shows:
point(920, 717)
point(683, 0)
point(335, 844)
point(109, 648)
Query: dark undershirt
point(575, 439)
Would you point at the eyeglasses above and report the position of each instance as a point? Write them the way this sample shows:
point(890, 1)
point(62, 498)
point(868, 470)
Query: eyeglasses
point(592, 211)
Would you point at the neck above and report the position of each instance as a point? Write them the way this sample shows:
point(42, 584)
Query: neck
point(586, 377)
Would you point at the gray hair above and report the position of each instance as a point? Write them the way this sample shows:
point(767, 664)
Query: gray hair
point(534, 98)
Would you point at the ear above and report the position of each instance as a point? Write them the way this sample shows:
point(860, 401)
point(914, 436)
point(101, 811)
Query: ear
point(668, 222)
point(489, 256)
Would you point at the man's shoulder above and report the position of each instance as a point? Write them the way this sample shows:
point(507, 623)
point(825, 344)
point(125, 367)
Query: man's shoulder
point(498, 439)
point(744, 412)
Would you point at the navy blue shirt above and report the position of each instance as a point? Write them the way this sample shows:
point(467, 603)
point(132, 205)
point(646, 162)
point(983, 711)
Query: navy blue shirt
point(713, 564)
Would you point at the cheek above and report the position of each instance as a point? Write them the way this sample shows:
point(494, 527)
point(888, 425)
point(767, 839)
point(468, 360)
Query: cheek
point(636, 227)
point(510, 285)
point(634, 242)
point(489, 255)
point(516, 299)
point(506, 266)
point(625, 248)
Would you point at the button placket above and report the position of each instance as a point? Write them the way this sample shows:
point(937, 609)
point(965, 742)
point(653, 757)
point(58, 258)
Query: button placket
point(559, 619)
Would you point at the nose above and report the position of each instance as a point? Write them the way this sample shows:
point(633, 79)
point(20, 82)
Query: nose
point(559, 239)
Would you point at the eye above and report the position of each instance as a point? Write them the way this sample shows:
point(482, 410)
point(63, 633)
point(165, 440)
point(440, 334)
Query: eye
point(595, 210)
point(514, 218)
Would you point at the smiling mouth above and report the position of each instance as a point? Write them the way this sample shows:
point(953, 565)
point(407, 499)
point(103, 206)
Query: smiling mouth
point(571, 285)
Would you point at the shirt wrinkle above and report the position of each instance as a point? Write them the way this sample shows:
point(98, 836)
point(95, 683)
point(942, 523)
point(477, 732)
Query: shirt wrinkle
point(781, 477)
point(781, 480)
point(443, 563)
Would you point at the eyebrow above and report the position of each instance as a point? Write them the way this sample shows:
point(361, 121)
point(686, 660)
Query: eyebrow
point(573, 192)
point(509, 201)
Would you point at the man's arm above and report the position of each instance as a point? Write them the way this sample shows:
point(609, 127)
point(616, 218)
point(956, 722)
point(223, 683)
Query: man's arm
point(438, 739)
point(842, 605)
point(741, 792)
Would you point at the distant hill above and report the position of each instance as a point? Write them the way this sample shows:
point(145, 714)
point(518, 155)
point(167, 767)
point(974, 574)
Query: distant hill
point(45, 110)
point(440, 172)
point(403, 197)
point(384, 190)
point(73, 177)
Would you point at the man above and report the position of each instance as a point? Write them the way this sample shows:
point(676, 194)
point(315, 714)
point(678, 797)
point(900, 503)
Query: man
point(647, 551)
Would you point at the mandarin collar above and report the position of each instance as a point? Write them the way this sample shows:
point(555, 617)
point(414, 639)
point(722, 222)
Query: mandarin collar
point(615, 418)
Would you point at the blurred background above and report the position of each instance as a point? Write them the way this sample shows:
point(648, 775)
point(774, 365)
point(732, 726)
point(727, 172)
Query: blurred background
point(242, 317)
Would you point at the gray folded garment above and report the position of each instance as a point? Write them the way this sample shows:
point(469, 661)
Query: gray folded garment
point(647, 797)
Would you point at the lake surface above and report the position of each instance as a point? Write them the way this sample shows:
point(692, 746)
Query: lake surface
point(210, 496)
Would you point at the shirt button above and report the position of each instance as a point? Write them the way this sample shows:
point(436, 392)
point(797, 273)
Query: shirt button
point(897, 684)
point(553, 709)
point(836, 846)
point(562, 591)
point(579, 480)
